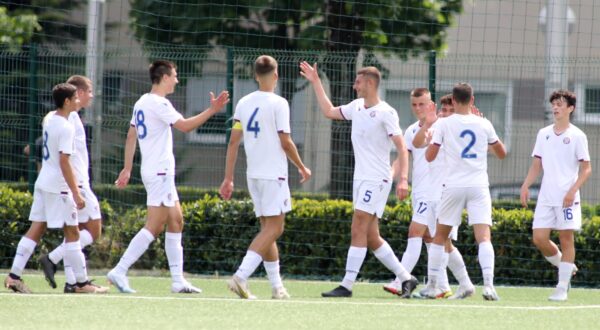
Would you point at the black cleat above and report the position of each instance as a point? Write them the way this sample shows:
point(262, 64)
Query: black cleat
point(408, 287)
point(70, 288)
point(339, 292)
point(49, 269)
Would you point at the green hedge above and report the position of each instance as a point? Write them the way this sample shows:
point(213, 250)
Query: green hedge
point(314, 245)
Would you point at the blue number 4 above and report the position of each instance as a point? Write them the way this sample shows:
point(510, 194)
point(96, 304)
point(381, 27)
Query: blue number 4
point(253, 127)
point(465, 153)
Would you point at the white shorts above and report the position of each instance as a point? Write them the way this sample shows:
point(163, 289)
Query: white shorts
point(91, 211)
point(371, 196)
point(557, 217)
point(160, 190)
point(426, 213)
point(56, 209)
point(476, 200)
point(270, 197)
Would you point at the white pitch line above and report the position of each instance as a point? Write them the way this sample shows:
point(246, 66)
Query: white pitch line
point(336, 302)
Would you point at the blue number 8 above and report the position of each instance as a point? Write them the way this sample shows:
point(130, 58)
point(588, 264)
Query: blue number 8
point(465, 153)
point(139, 124)
point(45, 150)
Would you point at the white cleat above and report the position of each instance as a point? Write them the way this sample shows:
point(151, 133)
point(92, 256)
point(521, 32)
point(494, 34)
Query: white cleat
point(428, 292)
point(240, 287)
point(463, 292)
point(394, 287)
point(184, 287)
point(119, 281)
point(280, 294)
point(559, 294)
point(489, 293)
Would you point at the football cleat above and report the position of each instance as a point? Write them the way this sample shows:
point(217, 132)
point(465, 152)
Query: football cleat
point(489, 293)
point(463, 292)
point(339, 292)
point(408, 287)
point(89, 287)
point(119, 281)
point(184, 287)
point(559, 294)
point(280, 294)
point(240, 287)
point(17, 285)
point(394, 287)
point(49, 269)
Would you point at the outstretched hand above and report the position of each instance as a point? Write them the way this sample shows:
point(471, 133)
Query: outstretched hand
point(309, 72)
point(216, 104)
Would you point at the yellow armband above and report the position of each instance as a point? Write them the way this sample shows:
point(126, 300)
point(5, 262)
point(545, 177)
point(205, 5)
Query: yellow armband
point(237, 125)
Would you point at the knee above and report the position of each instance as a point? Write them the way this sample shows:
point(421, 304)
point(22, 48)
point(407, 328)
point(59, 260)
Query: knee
point(539, 241)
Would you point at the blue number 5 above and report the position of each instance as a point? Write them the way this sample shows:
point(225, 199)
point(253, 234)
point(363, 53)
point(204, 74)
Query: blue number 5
point(253, 128)
point(465, 153)
point(139, 124)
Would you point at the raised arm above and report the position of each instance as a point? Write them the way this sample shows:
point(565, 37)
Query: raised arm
point(534, 171)
point(401, 167)
point(232, 152)
point(130, 145)
point(423, 135)
point(292, 153)
point(312, 75)
point(216, 104)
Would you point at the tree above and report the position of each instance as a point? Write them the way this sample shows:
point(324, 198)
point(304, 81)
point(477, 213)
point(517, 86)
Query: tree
point(17, 29)
point(406, 28)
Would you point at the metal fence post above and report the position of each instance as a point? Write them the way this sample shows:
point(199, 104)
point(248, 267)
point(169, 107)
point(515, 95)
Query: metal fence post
point(33, 105)
point(432, 73)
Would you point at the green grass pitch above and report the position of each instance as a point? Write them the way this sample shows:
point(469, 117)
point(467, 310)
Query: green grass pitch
point(154, 307)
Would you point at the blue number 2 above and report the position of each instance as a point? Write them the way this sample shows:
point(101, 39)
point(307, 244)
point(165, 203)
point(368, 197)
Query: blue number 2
point(253, 127)
point(139, 124)
point(45, 150)
point(465, 153)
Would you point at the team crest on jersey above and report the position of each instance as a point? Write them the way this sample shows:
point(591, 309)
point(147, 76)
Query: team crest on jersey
point(566, 140)
point(373, 114)
point(547, 137)
point(74, 215)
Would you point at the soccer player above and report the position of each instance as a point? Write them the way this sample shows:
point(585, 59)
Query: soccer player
point(561, 150)
point(465, 137)
point(56, 197)
point(262, 119)
point(374, 124)
point(426, 193)
point(90, 223)
point(153, 116)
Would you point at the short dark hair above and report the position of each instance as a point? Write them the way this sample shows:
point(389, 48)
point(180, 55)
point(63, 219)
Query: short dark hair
point(160, 68)
point(371, 72)
point(81, 82)
point(446, 99)
point(419, 91)
point(462, 93)
point(61, 92)
point(564, 94)
point(264, 64)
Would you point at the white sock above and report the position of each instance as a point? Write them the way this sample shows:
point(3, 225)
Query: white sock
point(138, 245)
point(412, 253)
point(388, 258)
point(565, 271)
point(442, 280)
point(434, 262)
point(85, 238)
point(486, 261)
point(458, 268)
point(249, 264)
point(75, 258)
point(356, 256)
point(24, 251)
point(555, 259)
point(174, 252)
point(272, 268)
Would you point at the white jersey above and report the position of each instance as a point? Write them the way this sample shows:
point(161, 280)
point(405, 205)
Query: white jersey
point(80, 160)
point(263, 116)
point(58, 138)
point(466, 139)
point(371, 131)
point(153, 116)
point(560, 156)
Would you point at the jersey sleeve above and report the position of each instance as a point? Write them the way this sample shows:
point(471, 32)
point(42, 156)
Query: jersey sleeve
point(282, 117)
point(132, 121)
point(537, 148)
point(581, 149)
point(167, 113)
point(66, 140)
point(408, 138)
point(491, 133)
point(438, 131)
point(348, 110)
point(392, 123)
